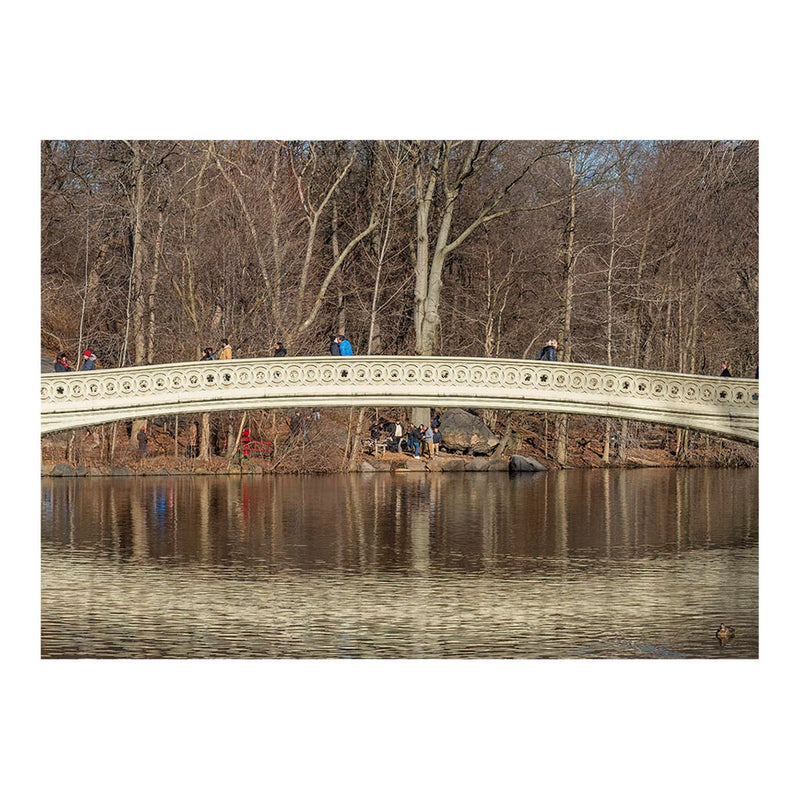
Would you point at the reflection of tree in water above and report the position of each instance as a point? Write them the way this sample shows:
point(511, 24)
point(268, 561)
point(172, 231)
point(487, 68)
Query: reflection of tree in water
point(420, 521)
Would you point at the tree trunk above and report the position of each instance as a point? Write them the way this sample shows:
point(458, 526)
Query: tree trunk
point(569, 288)
point(139, 309)
point(506, 438)
point(623, 441)
point(151, 295)
point(204, 452)
point(607, 443)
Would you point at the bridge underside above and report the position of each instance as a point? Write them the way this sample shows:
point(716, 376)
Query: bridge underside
point(709, 405)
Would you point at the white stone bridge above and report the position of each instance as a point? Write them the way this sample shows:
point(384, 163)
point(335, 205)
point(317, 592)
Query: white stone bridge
point(723, 406)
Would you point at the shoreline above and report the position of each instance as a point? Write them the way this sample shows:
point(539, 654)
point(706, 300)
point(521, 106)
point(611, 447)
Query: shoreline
point(447, 464)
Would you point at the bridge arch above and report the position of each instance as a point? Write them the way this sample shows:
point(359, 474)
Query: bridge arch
point(723, 406)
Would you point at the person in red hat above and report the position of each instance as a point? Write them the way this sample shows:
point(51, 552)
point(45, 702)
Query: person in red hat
point(89, 359)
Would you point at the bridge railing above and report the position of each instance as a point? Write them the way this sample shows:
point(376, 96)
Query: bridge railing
point(722, 405)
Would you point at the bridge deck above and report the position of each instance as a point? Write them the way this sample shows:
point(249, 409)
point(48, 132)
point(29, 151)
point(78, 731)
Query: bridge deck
point(724, 406)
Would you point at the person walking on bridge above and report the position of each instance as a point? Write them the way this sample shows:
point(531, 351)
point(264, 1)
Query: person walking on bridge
point(226, 352)
point(549, 351)
point(726, 373)
point(61, 364)
point(280, 350)
point(345, 348)
point(335, 346)
point(89, 360)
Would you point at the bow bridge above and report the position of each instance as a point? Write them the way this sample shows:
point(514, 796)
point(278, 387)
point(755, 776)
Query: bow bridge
point(723, 406)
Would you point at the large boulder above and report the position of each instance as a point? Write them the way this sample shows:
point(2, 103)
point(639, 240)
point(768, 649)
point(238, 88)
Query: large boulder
point(524, 464)
point(63, 471)
point(463, 432)
point(412, 465)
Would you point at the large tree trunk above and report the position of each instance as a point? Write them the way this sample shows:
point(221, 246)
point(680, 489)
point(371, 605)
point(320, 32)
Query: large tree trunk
point(569, 288)
point(139, 304)
point(151, 295)
point(204, 452)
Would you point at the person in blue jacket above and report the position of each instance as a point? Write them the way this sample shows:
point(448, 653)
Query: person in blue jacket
point(89, 359)
point(345, 348)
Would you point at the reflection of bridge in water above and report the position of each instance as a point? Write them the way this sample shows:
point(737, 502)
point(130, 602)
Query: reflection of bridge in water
point(724, 406)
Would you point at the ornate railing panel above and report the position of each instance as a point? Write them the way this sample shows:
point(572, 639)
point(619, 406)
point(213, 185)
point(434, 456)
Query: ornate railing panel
point(725, 406)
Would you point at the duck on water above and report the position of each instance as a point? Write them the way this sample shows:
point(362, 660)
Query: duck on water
point(725, 633)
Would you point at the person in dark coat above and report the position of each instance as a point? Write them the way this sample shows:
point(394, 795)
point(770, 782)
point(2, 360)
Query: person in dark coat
point(294, 423)
point(549, 351)
point(280, 350)
point(208, 354)
point(335, 346)
point(726, 373)
point(437, 440)
point(61, 364)
point(141, 437)
point(414, 440)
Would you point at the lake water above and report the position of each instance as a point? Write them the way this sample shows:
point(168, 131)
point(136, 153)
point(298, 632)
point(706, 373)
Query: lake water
point(568, 564)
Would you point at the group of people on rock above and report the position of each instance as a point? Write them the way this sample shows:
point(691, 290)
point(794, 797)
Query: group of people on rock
point(416, 440)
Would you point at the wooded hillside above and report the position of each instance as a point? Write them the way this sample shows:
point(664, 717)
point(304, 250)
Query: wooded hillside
point(639, 253)
point(635, 253)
